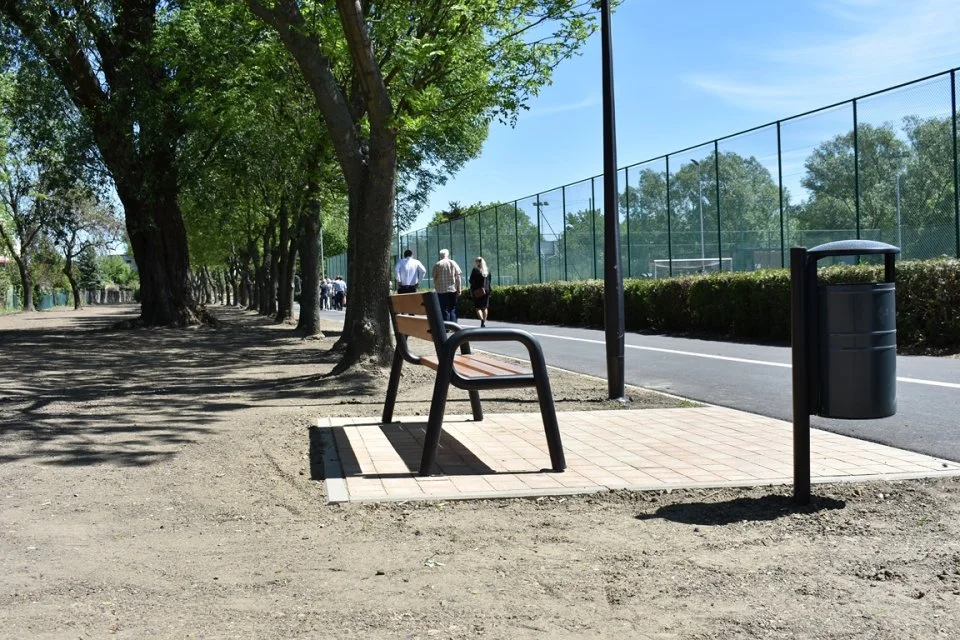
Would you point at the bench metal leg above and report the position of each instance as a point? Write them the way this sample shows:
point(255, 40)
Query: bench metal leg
point(548, 411)
point(393, 386)
point(474, 394)
point(475, 405)
point(435, 423)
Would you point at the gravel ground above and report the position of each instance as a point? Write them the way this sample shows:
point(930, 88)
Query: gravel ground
point(161, 483)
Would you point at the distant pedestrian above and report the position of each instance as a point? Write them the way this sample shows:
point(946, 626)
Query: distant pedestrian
point(325, 294)
point(480, 289)
point(446, 280)
point(409, 272)
point(339, 293)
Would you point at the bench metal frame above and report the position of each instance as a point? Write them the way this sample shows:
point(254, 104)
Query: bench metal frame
point(432, 327)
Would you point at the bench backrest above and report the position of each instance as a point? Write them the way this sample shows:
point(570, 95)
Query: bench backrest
point(417, 315)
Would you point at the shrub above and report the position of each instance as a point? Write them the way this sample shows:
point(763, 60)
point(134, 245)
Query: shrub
point(744, 305)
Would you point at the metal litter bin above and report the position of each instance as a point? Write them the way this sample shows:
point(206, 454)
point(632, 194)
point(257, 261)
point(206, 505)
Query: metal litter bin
point(844, 346)
point(858, 351)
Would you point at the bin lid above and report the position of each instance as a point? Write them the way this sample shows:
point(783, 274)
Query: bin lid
point(852, 248)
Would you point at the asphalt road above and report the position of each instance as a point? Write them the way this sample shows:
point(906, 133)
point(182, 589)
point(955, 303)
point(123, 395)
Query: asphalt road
point(757, 378)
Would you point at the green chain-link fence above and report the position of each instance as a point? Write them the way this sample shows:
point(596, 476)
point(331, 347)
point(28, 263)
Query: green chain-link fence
point(880, 167)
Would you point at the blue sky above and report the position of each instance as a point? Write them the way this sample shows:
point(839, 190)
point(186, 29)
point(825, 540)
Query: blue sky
point(687, 72)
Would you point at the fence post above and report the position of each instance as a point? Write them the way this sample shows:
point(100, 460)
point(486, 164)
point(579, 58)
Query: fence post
point(780, 181)
point(496, 239)
point(956, 168)
point(626, 193)
point(563, 211)
point(856, 168)
point(593, 224)
point(539, 249)
point(516, 235)
point(669, 236)
point(716, 173)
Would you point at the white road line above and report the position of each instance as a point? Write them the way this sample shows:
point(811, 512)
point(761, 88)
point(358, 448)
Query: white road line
point(934, 383)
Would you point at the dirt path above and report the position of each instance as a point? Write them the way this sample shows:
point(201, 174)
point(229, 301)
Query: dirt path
point(158, 483)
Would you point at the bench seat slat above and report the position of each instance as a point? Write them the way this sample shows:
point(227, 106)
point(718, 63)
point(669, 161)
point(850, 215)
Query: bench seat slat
point(416, 326)
point(472, 366)
point(408, 303)
point(500, 368)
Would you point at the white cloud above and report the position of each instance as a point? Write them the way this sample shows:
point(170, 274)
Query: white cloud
point(871, 44)
point(588, 101)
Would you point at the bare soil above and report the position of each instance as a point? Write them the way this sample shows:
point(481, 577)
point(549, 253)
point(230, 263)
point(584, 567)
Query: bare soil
point(162, 483)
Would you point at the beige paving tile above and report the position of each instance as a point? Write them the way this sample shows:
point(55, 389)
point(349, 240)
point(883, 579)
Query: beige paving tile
point(507, 482)
point(641, 448)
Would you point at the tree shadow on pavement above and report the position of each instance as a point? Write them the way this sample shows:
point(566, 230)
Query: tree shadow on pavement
point(74, 392)
point(740, 510)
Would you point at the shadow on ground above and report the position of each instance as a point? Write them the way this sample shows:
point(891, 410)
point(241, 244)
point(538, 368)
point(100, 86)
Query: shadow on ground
point(78, 393)
point(453, 457)
point(739, 510)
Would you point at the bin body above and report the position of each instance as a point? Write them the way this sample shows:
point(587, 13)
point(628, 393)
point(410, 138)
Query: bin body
point(858, 351)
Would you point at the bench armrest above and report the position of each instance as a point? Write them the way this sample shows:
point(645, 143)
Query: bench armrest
point(466, 336)
point(452, 326)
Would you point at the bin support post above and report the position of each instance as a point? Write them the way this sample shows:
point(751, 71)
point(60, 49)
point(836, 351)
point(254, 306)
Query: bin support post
point(800, 336)
point(889, 267)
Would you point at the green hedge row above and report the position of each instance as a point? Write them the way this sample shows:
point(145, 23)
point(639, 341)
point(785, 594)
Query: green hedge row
point(747, 305)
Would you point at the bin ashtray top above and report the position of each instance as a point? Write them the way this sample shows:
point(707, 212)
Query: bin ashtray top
point(852, 248)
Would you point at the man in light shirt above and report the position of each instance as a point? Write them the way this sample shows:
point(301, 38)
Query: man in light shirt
point(339, 293)
point(410, 272)
point(446, 280)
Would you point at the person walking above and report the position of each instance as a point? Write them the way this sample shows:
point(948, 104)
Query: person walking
point(325, 294)
point(339, 293)
point(446, 280)
point(409, 272)
point(480, 289)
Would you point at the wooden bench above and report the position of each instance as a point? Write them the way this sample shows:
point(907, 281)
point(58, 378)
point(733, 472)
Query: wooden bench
point(418, 315)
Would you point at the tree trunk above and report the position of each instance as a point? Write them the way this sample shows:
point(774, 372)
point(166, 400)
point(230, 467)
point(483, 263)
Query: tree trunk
point(288, 281)
point(234, 287)
point(252, 276)
point(74, 287)
point(367, 320)
point(267, 300)
point(213, 287)
point(23, 265)
point(274, 280)
point(225, 287)
point(216, 288)
point(309, 322)
point(369, 166)
point(223, 296)
point(263, 278)
point(286, 256)
point(159, 241)
point(137, 129)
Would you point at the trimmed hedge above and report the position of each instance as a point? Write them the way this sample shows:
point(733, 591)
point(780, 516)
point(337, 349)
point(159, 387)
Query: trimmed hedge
point(744, 305)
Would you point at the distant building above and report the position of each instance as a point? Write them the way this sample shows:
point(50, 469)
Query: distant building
point(128, 259)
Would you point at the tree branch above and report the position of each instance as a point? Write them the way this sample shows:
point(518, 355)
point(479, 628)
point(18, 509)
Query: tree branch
point(315, 66)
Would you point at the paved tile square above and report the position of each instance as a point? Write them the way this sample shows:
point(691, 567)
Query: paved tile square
point(505, 455)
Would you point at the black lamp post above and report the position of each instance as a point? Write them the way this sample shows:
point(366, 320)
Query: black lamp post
point(612, 274)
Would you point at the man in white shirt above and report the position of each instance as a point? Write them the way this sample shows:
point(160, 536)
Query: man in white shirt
point(339, 293)
point(410, 272)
